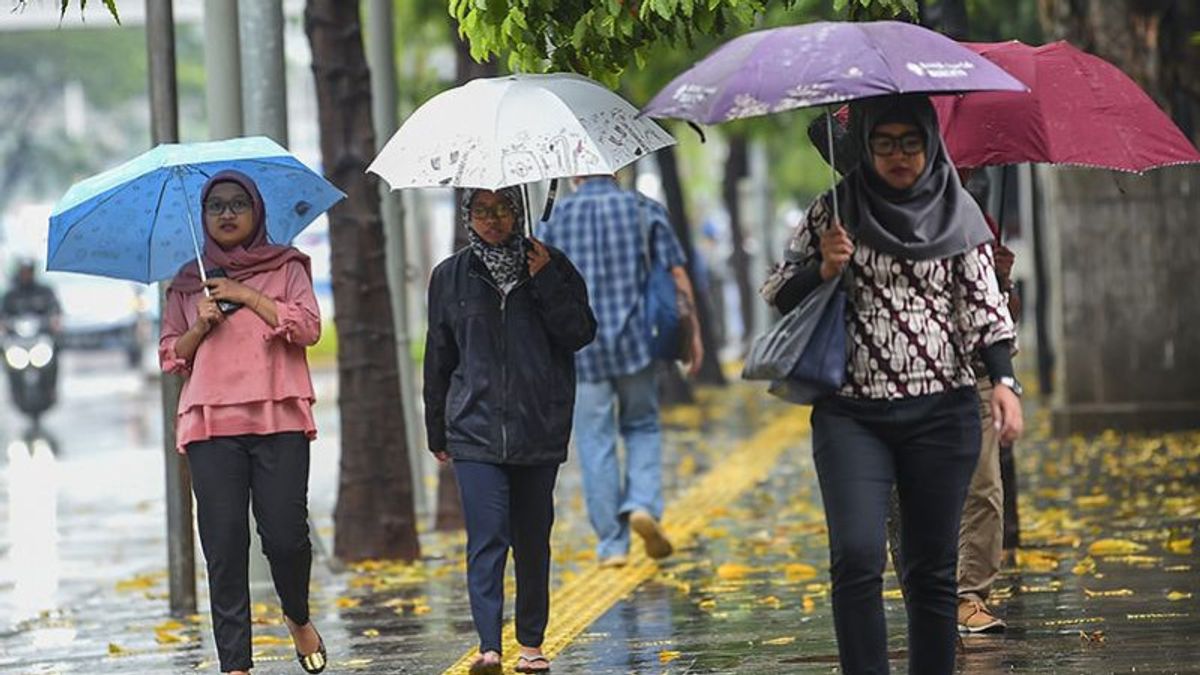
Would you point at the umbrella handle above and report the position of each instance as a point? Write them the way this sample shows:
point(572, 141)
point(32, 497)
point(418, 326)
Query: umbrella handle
point(550, 196)
point(192, 231)
point(832, 170)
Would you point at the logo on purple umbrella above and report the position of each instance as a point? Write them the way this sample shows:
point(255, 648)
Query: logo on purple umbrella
point(692, 94)
point(940, 69)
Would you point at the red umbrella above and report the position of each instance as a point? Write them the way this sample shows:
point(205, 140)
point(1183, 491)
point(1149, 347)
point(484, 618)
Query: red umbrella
point(1080, 110)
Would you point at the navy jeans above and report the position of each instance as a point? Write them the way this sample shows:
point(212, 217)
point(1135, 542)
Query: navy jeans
point(927, 447)
point(508, 506)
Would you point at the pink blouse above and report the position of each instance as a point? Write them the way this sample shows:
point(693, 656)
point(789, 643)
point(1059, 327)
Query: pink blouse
point(246, 377)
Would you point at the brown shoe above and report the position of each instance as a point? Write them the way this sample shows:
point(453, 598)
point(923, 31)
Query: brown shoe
point(657, 545)
point(974, 617)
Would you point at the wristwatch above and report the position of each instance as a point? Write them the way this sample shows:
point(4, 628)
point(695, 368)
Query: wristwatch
point(1011, 383)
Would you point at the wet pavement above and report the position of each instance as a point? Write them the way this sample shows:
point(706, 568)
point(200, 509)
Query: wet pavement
point(1107, 582)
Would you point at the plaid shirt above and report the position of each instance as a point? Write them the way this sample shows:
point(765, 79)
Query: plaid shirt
point(600, 229)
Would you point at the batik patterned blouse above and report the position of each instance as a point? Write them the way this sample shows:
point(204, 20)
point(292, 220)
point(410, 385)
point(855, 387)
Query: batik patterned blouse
point(913, 327)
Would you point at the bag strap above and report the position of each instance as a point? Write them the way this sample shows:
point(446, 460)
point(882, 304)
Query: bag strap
point(647, 230)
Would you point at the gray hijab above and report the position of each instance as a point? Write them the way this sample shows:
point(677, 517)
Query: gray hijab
point(935, 218)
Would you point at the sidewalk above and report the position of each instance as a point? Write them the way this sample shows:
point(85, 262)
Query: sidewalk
point(1107, 584)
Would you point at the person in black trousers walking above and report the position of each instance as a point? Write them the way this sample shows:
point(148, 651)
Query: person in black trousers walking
point(245, 412)
point(506, 316)
point(923, 302)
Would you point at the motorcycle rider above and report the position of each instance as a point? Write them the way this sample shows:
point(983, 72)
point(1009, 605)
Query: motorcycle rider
point(27, 295)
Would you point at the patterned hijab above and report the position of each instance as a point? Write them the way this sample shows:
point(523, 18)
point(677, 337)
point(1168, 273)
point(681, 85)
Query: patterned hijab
point(505, 262)
point(933, 219)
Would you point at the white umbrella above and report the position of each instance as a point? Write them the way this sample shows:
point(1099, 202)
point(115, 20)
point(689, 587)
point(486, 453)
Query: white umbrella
point(497, 132)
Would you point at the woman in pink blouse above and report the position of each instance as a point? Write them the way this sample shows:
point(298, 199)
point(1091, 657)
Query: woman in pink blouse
point(923, 304)
point(245, 412)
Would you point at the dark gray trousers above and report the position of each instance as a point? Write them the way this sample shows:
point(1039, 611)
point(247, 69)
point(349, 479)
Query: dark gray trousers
point(229, 474)
point(927, 447)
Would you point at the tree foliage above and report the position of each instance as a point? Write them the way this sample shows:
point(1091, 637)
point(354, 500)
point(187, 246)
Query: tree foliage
point(602, 38)
point(64, 5)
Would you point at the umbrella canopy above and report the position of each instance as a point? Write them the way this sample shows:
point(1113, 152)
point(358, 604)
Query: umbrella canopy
point(1080, 110)
point(142, 220)
point(820, 63)
point(496, 132)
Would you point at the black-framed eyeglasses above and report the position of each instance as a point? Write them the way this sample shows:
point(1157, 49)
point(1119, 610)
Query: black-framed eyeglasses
point(885, 145)
point(499, 212)
point(237, 205)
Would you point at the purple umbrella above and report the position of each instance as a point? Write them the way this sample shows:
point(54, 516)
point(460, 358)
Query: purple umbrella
point(822, 63)
point(770, 71)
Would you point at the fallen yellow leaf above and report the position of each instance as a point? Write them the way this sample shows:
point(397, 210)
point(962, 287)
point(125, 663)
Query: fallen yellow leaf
point(708, 605)
point(1175, 596)
point(1092, 501)
point(786, 640)
point(115, 649)
point(267, 640)
point(1115, 547)
point(140, 582)
point(163, 637)
point(170, 624)
point(809, 605)
point(1114, 593)
point(371, 633)
point(1036, 561)
point(1085, 566)
point(730, 571)
point(1180, 546)
point(894, 594)
point(668, 655)
point(799, 572)
point(771, 601)
point(347, 603)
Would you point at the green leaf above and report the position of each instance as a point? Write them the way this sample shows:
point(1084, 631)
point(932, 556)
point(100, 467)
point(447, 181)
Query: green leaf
point(112, 9)
point(582, 27)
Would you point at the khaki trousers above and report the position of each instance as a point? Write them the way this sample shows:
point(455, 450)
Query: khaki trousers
point(981, 534)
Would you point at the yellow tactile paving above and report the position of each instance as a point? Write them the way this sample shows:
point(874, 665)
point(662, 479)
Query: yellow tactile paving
point(575, 605)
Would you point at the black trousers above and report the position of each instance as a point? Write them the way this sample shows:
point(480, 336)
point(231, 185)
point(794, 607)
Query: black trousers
point(229, 474)
point(508, 506)
point(927, 446)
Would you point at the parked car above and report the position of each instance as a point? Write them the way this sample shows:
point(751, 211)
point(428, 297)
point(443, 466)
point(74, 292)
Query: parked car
point(104, 313)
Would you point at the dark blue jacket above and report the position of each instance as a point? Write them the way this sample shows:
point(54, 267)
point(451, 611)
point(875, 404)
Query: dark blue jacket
point(500, 370)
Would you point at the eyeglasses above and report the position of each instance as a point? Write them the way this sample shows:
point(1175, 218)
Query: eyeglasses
point(885, 145)
point(237, 206)
point(499, 212)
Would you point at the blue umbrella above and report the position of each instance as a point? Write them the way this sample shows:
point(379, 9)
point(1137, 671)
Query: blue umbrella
point(142, 220)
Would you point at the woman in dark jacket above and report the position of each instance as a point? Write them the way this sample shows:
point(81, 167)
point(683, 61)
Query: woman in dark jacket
point(924, 303)
point(506, 316)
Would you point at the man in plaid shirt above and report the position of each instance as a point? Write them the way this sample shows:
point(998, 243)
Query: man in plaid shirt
point(605, 231)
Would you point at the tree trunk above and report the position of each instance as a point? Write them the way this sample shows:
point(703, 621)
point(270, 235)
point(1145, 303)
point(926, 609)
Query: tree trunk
point(710, 368)
point(1122, 258)
point(449, 506)
point(736, 168)
point(374, 517)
